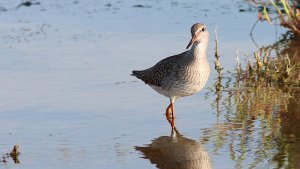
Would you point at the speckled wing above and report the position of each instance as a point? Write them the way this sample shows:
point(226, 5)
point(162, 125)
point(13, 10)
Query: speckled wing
point(156, 74)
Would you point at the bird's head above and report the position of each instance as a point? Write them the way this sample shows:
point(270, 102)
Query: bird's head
point(199, 34)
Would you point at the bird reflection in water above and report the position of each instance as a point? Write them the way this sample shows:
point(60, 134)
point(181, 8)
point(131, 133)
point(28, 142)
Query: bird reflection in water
point(176, 152)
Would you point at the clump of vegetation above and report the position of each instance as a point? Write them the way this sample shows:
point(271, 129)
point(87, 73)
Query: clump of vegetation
point(258, 83)
point(287, 12)
point(271, 70)
point(13, 154)
point(258, 102)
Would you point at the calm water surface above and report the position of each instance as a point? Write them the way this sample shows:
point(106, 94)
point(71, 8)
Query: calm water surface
point(67, 97)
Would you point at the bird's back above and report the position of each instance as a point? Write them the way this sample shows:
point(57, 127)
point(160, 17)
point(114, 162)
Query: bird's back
point(156, 74)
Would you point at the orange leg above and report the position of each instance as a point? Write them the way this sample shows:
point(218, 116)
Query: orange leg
point(168, 113)
point(171, 120)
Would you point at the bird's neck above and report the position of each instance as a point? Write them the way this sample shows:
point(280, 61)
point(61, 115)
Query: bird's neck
point(198, 50)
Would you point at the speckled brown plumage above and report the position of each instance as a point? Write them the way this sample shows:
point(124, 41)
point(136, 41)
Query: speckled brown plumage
point(156, 74)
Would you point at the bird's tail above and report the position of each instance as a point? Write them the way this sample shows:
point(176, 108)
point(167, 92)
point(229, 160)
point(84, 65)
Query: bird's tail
point(135, 73)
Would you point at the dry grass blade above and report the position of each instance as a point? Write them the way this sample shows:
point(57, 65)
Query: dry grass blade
point(278, 11)
point(266, 16)
point(217, 62)
point(285, 7)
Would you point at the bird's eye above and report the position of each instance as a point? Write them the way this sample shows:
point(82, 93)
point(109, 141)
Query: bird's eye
point(203, 29)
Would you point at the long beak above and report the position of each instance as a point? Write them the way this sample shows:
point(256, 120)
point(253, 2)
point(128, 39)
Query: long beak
point(191, 42)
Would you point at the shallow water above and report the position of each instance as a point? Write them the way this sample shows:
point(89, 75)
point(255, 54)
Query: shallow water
point(67, 97)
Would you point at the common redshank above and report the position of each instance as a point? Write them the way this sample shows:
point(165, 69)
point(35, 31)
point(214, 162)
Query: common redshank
point(180, 75)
